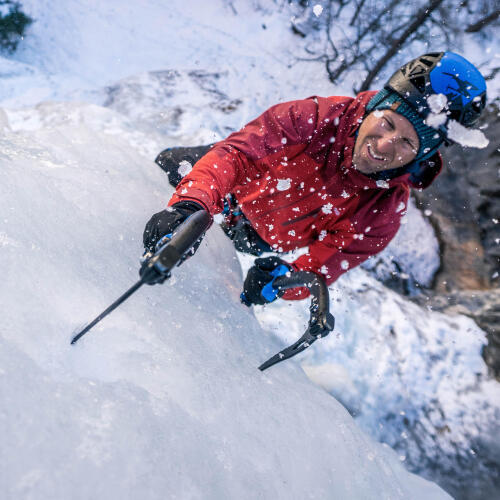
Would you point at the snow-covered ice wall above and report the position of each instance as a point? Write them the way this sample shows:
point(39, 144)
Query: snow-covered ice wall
point(163, 399)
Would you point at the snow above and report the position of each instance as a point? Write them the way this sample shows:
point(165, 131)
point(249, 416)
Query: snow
point(467, 137)
point(318, 10)
point(283, 184)
point(163, 398)
point(382, 184)
point(437, 102)
point(327, 208)
point(184, 168)
point(435, 120)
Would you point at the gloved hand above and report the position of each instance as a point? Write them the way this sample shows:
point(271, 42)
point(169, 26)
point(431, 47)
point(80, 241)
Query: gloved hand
point(258, 288)
point(163, 224)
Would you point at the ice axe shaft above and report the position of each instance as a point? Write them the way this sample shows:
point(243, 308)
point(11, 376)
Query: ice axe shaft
point(112, 307)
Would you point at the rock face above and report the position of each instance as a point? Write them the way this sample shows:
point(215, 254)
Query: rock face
point(464, 208)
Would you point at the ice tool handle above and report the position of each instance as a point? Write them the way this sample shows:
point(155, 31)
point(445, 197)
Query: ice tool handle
point(172, 249)
point(321, 322)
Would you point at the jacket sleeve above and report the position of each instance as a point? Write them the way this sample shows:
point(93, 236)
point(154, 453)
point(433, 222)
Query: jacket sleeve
point(337, 251)
point(239, 158)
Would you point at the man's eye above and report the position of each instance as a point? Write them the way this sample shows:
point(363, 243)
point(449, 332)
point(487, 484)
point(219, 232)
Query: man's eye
point(391, 126)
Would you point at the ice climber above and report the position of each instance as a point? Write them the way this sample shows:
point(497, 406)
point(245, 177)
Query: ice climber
point(332, 174)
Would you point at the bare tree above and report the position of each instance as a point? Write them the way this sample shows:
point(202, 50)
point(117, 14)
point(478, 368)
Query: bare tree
point(362, 36)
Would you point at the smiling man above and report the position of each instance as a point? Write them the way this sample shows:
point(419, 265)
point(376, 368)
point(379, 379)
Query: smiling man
point(331, 174)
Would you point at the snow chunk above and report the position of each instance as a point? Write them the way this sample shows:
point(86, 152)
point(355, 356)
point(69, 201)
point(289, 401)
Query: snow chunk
point(218, 218)
point(345, 194)
point(382, 184)
point(401, 207)
point(322, 235)
point(283, 141)
point(323, 270)
point(327, 209)
point(318, 10)
point(435, 120)
point(344, 265)
point(283, 184)
point(437, 102)
point(471, 138)
point(378, 113)
point(184, 168)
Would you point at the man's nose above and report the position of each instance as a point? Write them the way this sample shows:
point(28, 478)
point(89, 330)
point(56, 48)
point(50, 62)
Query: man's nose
point(386, 143)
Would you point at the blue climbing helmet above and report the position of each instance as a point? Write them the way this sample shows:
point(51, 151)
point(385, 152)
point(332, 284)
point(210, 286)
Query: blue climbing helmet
point(444, 73)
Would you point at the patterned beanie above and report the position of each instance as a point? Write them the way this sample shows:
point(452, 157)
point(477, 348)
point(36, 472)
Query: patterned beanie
point(428, 137)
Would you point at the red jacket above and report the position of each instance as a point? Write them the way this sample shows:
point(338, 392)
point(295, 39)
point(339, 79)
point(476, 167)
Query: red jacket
point(291, 172)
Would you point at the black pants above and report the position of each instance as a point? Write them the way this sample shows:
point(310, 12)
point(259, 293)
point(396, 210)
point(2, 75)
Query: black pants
point(236, 225)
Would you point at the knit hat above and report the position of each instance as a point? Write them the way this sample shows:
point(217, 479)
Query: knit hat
point(428, 137)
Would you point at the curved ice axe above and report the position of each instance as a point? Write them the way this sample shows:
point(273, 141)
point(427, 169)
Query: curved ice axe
point(321, 322)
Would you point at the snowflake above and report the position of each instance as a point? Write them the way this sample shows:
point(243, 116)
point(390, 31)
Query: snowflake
point(322, 235)
point(401, 206)
point(184, 168)
point(345, 194)
point(327, 209)
point(291, 233)
point(382, 184)
point(283, 184)
point(317, 9)
point(437, 102)
point(324, 270)
point(344, 265)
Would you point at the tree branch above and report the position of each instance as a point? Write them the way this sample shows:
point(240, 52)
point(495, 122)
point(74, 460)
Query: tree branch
point(419, 20)
point(479, 25)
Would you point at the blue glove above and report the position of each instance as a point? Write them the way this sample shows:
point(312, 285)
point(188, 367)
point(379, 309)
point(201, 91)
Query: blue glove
point(258, 287)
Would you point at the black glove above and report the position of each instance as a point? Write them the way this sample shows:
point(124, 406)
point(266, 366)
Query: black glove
point(162, 224)
point(261, 274)
point(166, 221)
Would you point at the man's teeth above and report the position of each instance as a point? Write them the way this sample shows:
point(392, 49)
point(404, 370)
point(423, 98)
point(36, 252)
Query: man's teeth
point(374, 155)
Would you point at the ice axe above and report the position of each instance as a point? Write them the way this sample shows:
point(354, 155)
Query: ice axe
point(321, 322)
point(169, 255)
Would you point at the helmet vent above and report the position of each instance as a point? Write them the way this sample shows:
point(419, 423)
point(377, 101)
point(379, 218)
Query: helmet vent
point(456, 115)
point(419, 82)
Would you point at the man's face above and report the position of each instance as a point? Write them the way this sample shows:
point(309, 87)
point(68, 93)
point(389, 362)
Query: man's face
point(385, 140)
